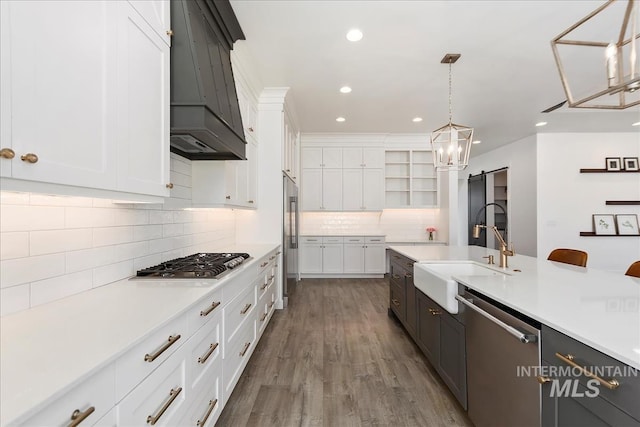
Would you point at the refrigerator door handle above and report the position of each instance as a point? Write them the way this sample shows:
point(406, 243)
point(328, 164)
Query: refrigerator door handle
point(293, 210)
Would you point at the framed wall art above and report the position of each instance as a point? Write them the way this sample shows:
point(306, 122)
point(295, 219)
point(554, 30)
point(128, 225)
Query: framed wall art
point(613, 163)
point(627, 224)
point(630, 163)
point(604, 224)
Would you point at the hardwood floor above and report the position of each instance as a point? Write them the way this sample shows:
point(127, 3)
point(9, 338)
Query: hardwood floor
point(335, 358)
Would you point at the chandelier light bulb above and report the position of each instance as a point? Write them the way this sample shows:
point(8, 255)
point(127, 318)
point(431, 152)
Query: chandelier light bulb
point(611, 53)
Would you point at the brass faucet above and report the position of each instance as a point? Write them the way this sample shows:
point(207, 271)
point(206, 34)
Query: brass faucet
point(504, 251)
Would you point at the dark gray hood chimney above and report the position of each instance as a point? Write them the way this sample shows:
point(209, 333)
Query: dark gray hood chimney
point(205, 115)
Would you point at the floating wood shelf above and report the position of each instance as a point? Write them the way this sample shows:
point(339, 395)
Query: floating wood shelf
point(605, 171)
point(623, 202)
point(592, 234)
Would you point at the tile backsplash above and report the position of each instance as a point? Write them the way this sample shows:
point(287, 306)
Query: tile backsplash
point(55, 246)
point(397, 224)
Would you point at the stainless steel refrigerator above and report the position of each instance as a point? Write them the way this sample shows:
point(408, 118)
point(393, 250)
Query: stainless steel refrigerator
point(290, 239)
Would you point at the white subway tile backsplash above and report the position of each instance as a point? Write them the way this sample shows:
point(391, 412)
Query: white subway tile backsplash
point(14, 299)
point(14, 245)
point(48, 290)
point(112, 235)
point(112, 273)
point(53, 246)
point(28, 218)
point(54, 241)
point(24, 270)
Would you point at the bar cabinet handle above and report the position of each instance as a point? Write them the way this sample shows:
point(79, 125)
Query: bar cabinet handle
point(244, 350)
point(245, 309)
point(151, 357)
point(173, 394)
point(569, 359)
point(210, 308)
point(212, 404)
point(77, 417)
point(204, 358)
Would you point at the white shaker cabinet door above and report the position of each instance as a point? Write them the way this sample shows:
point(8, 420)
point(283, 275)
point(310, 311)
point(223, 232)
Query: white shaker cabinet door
point(373, 189)
point(143, 106)
point(374, 258)
point(312, 157)
point(311, 189)
point(373, 158)
point(156, 13)
point(5, 90)
point(352, 157)
point(332, 158)
point(332, 189)
point(332, 258)
point(310, 258)
point(62, 103)
point(353, 258)
point(352, 190)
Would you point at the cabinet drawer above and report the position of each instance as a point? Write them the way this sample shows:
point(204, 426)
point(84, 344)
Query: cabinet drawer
point(207, 402)
point(374, 239)
point(401, 260)
point(354, 239)
point(96, 392)
point(397, 299)
point(236, 355)
point(625, 396)
point(311, 239)
point(161, 396)
point(332, 239)
point(204, 310)
point(238, 311)
point(144, 358)
point(204, 352)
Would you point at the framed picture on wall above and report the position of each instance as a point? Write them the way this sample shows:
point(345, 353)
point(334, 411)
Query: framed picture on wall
point(613, 163)
point(604, 224)
point(630, 163)
point(627, 224)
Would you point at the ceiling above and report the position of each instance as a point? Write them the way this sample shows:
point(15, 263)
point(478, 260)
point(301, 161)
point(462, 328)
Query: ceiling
point(504, 79)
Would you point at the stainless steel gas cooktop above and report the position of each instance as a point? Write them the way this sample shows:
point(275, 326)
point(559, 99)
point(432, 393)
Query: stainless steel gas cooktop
point(200, 266)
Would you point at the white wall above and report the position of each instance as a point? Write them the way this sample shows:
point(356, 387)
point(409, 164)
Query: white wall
point(567, 199)
point(520, 158)
point(53, 246)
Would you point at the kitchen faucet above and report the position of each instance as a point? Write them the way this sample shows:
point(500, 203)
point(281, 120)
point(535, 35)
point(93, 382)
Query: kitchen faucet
point(504, 250)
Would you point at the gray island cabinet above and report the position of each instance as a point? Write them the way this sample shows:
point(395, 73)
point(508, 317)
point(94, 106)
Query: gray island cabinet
point(587, 371)
point(437, 333)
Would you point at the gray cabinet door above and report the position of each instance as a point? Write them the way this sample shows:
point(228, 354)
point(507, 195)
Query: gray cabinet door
point(453, 363)
point(570, 411)
point(410, 291)
point(428, 325)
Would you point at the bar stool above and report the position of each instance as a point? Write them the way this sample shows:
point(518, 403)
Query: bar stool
point(569, 256)
point(634, 269)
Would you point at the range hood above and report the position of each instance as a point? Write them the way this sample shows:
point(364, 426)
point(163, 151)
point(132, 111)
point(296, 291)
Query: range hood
point(205, 115)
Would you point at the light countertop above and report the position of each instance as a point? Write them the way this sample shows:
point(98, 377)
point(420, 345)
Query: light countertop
point(600, 309)
point(320, 232)
point(46, 350)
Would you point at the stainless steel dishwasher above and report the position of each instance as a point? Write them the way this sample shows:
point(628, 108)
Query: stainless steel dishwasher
point(499, 341)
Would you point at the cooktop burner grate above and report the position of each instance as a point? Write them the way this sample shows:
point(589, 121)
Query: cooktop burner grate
point(201, 265)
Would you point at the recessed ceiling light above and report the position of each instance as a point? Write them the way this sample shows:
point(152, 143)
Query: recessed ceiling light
point(477, 141)
point(354, 35)
point(636, 124)
point(541, 124)
point(416, 119)
point(345, 89)
point(340, 119)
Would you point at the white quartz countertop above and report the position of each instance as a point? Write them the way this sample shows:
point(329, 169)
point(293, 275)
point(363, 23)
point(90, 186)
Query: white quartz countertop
point(48, 349)
point(598, 308)
point(342, 233)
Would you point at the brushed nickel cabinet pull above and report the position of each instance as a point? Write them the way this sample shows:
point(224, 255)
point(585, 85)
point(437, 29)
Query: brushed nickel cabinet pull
point(244, 350)
point(228, 197)
point(151, 357)
point(246, 308)
point(30, 158)
point(169, 185)
point(409, 264)
point(251, 201)
point(278, 253)
point(250, 129)
point(408, 275)
point(264, 316)
point(543, 380)
point(170, 33)
point(434, 312)
point(396, 276)
point(77, 417)
point(7, 153)
point(265, 286)
point(153, 419)
point(204, 358)
point(212, 404)
point(611, 384)
point(210, 308)
point(395, 302)
point(272, 303)
point(272, 257)
point(264, 264)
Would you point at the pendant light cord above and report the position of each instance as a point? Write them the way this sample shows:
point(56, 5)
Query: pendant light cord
point(450, 108)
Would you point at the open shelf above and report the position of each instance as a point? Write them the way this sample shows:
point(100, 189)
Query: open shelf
point(623, 202)
point(605, 171)
point(592, 234)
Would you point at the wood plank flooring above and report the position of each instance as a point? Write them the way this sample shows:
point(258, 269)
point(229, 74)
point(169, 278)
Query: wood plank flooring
point(335, 358)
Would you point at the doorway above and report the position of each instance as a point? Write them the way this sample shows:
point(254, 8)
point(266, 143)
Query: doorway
point(489, 205)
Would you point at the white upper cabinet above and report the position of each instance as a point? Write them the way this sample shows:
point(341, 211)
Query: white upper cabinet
point(156, 13)
point(143, 105)
point(367, 157)
point(63, 107)
point(322, 157)
point(248, 112)
point(89, 104)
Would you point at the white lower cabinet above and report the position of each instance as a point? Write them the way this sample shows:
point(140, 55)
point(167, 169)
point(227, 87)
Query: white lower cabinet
point(347, 256)
point(89, 401)
point(237, 353)
point(160, 399)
